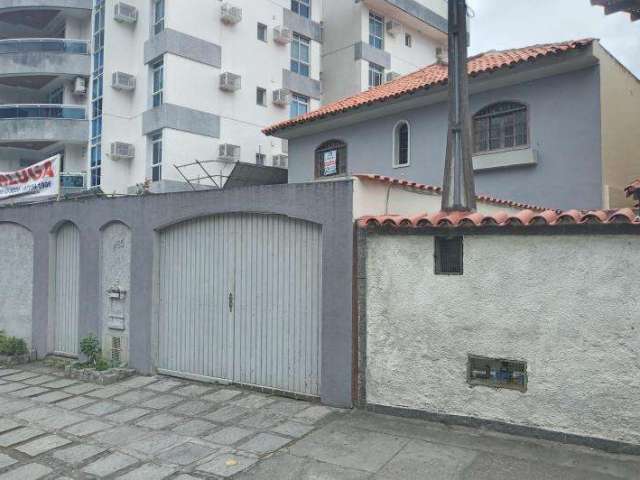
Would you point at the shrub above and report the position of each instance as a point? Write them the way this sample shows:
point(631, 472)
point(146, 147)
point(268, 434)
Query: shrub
point(90, 346)
point(12, 345)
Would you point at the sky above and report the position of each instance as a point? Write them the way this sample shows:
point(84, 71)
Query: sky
point(503, 24)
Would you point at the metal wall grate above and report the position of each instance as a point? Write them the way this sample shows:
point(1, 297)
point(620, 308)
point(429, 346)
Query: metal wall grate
point(448, 256)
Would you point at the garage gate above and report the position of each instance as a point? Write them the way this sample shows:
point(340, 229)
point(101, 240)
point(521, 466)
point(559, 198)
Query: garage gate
point(240, 301)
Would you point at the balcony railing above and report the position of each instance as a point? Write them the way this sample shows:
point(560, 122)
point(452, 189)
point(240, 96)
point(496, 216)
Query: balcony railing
point(69, 112)
point(49, 45)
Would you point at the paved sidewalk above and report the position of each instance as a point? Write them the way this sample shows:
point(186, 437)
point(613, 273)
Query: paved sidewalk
point(162, 428)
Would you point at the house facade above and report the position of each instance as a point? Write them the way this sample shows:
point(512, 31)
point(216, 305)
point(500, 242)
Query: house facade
point(550, 125)
point(126, 91)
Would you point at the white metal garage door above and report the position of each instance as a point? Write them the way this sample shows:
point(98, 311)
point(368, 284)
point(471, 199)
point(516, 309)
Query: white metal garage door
point(240, 300)
point(66, 289)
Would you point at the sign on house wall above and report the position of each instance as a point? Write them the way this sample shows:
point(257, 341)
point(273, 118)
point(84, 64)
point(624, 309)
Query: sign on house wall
point(330, 162)
point(39, 180)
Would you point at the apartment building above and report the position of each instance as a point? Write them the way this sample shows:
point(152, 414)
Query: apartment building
point(127, 91)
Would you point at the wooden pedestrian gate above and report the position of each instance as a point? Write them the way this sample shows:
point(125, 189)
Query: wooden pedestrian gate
point(240, 301)
point(66, 290)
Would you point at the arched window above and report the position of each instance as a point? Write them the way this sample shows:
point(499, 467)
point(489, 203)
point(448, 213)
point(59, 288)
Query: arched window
point(331, 159)
point(501, 126)
point(401, 144)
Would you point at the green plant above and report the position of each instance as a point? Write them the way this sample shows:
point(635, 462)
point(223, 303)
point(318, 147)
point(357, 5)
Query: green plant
point(12, 345)
point(90, 346)
point(102, 365)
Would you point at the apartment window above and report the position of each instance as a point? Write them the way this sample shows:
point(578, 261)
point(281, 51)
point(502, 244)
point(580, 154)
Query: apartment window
point(331, 159)
point(156, 156)
point(299, 105)
point(262, 32)
point(260, 158)
point(376, 75)
point(57, 96)
point(300, 47)
point(301, 7)
point(448, 256)
point(158, 16)
point(501, 126)
point(157, 96)
point(97, 90)
point(401, 136)
point(376, 31)
point(497, 373)
point(408, 40)
point(261, 96)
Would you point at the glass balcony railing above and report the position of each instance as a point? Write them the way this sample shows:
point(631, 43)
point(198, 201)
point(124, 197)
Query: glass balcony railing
point(70, 112)
point(50, 45)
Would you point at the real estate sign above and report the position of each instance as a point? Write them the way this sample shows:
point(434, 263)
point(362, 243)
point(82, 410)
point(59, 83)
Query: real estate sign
point(39, 180)
point(330, 162)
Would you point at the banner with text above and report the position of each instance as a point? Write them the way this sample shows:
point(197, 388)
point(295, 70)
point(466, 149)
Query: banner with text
point(39, 180)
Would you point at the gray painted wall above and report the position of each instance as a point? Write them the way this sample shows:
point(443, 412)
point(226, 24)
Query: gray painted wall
point(180, 118)
point(564, 127)
point(327, 204)
point(31, 63)
point(44, 129)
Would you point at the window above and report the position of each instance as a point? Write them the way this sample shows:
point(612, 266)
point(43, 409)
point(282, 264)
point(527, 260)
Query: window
point(497, 373)
point(156, 156)
point(158, 16)
point(408, 40)
point(300, 55)
point(401, 138)
point(331, 159)
point(376, 31)
point(260, 158)
point(261, 96)
point(97, 90)
point(57, 96)
point(376, 75)
point(262, 32)
point(301, 7)
point(500, 126)
point(157, 96)
point(448, 256)
point(299, 105)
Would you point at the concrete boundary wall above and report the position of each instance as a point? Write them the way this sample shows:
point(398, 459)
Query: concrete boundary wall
point(560, 298)
point(326, 204)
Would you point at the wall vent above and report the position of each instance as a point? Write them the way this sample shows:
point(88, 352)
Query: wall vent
point(228, 152)
point(281, 97)
point(116, 349)
point(230, 82)
point(123, 81)
point(125, 13)
point(282, 35)
point(122, 151)
point(280, 161)
point(448, 256)
point(229, 14)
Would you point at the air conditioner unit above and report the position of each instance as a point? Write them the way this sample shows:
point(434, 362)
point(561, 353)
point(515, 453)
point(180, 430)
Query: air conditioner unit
point(230, 82)
point(229, 14)
point(394, 28)
point(391, 76)
point(80, 86)
point(122, 151)
point(228, 152)
point(281, 161)
point(125, 13)
point(281, 97)
point(123, 81)
point(282, 35)
point(285, 146)
point(116, 349)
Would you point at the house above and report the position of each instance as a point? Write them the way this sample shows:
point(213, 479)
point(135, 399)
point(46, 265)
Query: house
point(552, 124)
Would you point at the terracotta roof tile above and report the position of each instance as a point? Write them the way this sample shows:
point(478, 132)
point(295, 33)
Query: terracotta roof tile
point(436, 189)
point(431, 76)
point(526, 218)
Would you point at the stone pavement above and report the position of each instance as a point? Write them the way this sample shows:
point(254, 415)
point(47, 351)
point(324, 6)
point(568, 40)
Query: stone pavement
point(163, 428)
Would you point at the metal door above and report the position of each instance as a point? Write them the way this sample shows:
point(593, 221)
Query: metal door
point(240, 301)
point(66, 289)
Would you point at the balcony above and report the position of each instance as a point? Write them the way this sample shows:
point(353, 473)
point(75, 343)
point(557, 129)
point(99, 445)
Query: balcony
point(44, 56)
point(28, 123)
point(428, 16)
point(46, 4)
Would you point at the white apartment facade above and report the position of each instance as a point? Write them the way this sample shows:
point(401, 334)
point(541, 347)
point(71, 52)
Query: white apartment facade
point(148, 85)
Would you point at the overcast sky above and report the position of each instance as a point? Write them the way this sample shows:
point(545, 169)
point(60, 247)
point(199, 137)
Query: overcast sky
point(503, 24)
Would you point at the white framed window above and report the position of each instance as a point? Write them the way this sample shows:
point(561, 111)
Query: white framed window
point(402, 144)
point(301, 7)
point(262, 32)
point(157, 90)
point(300, 47)
point(156, 156)
point(408, 40)
point(260, 158)
point(501, 126)
point(376, 31)
point(97, 90)
point(158, 16)
point(299, 105)
point(261, 96)
point(376, 75)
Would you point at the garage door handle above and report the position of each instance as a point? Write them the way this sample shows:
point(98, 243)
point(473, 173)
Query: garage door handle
point(231, 302)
